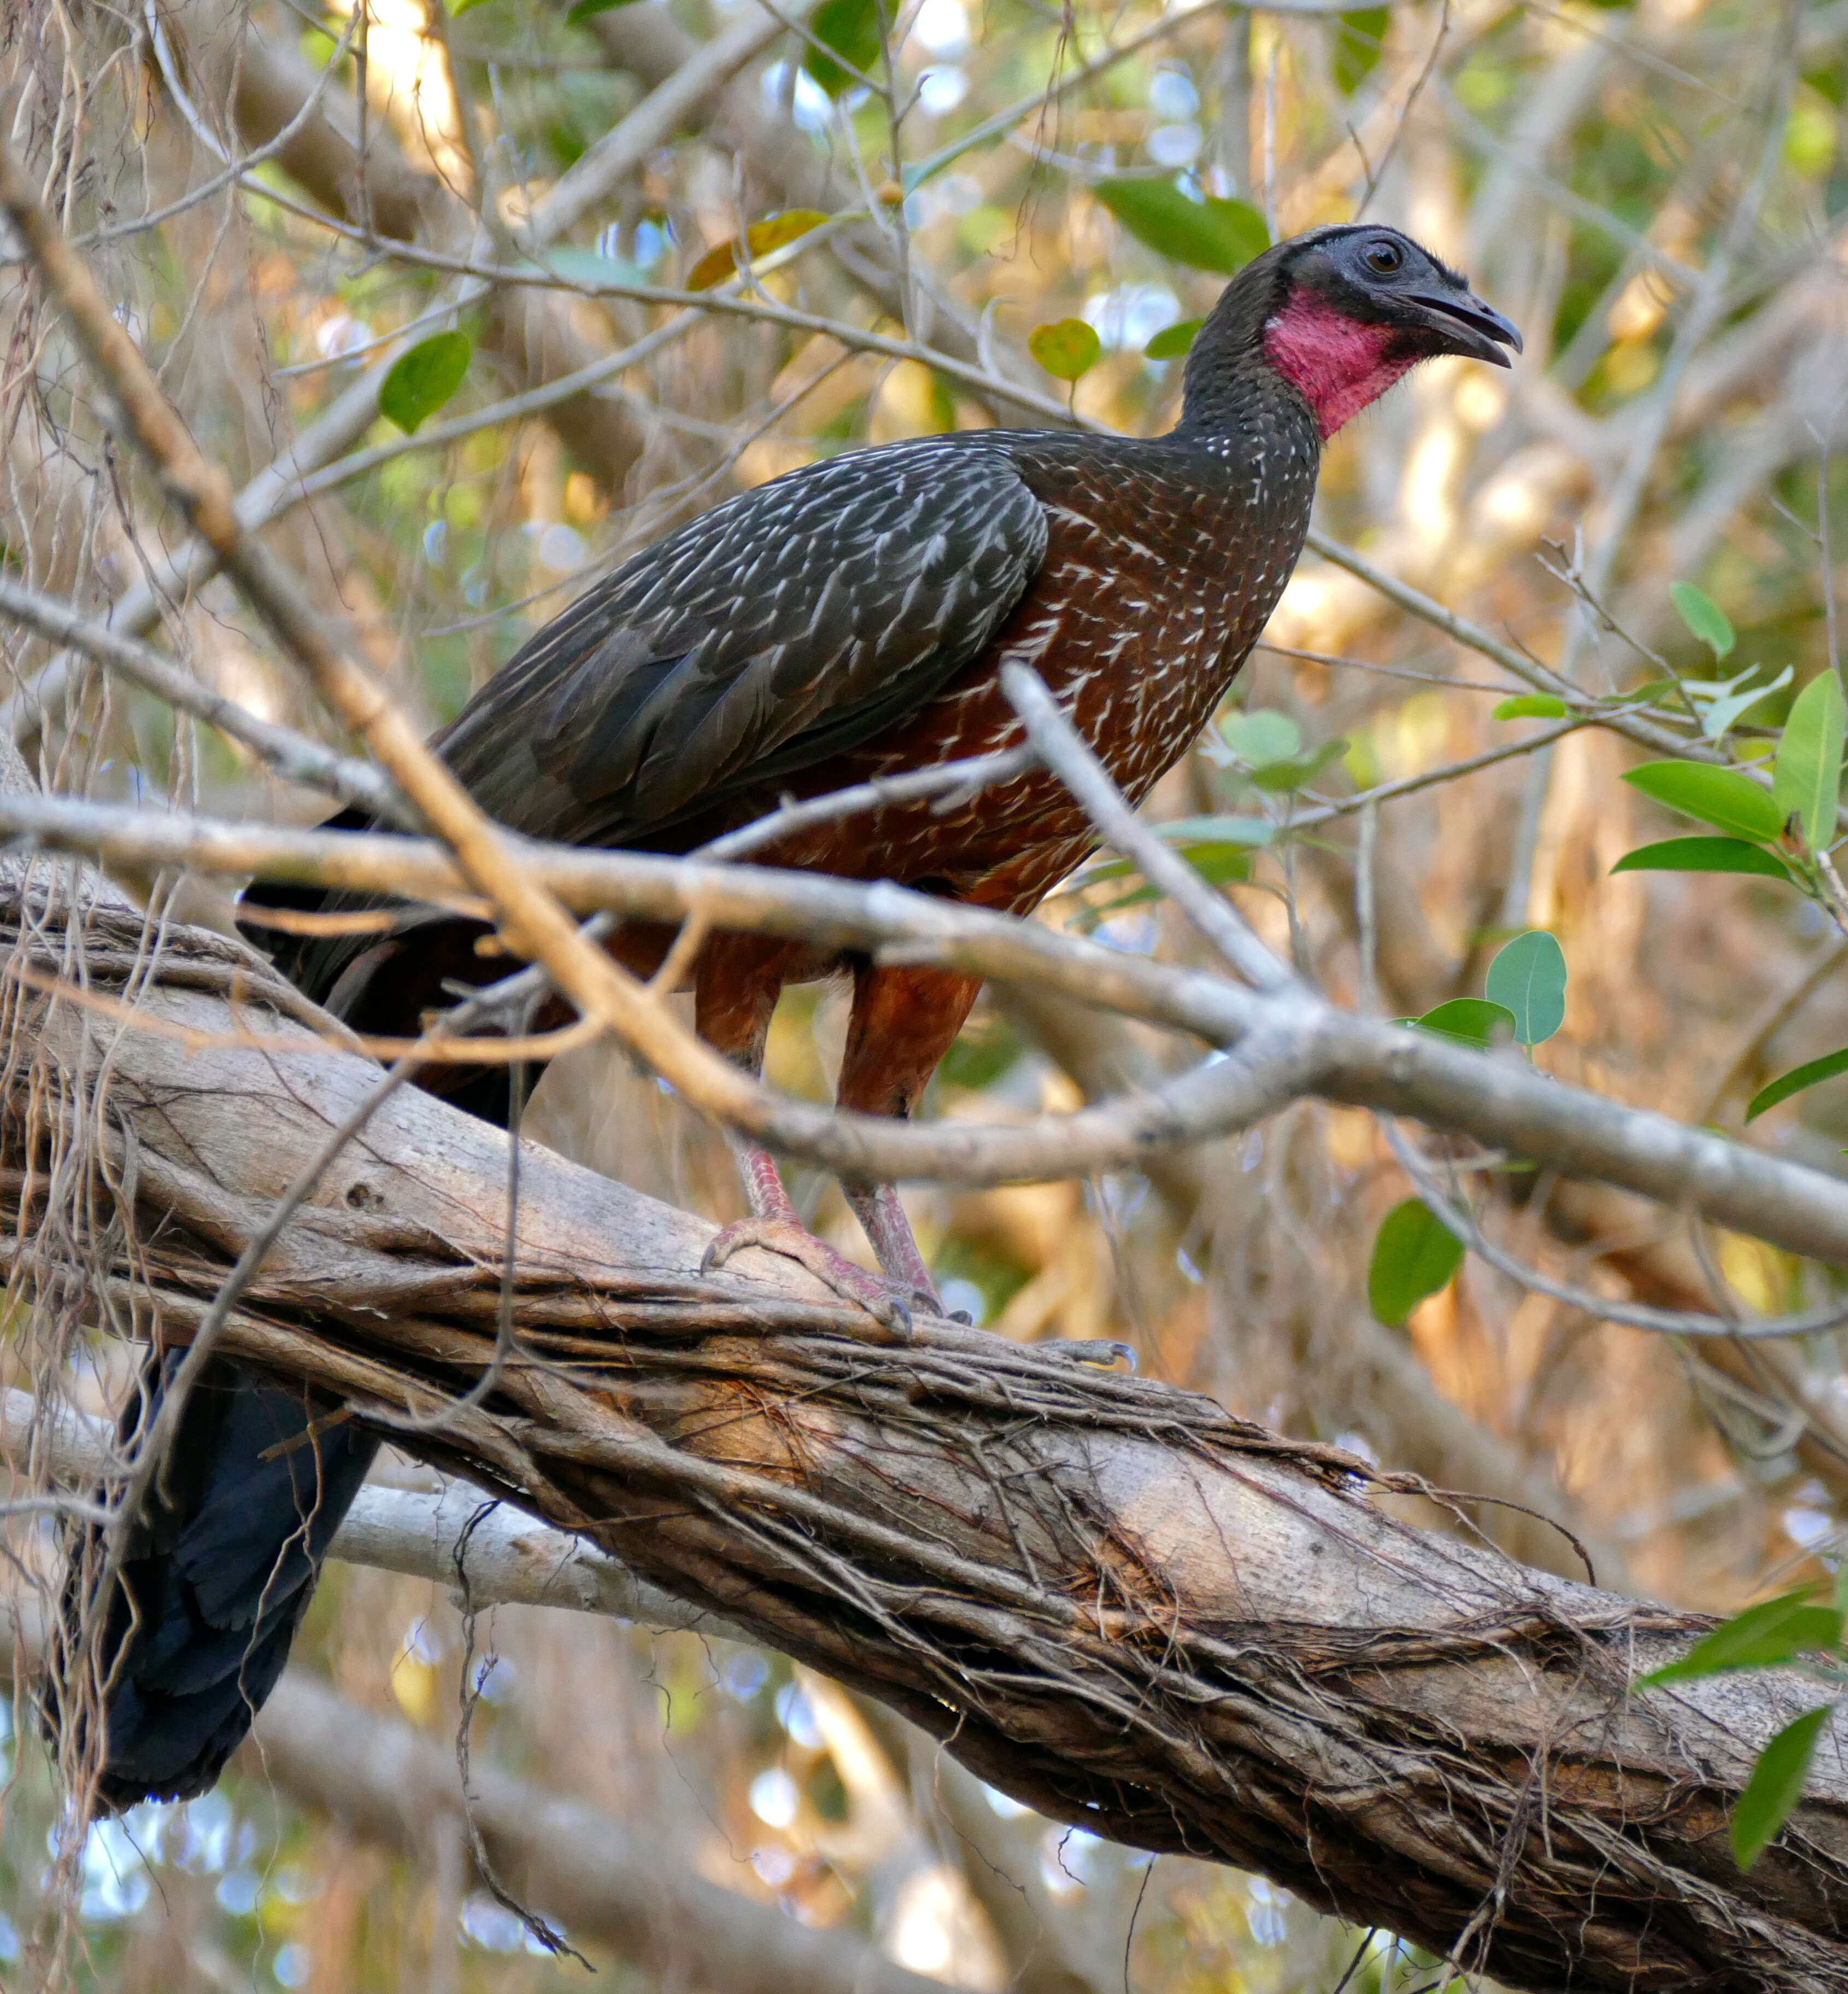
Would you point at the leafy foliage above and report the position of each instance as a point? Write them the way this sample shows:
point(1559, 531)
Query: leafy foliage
point(1173, 341)
point(1470, 1021)
point(1210, 234)
point(1776, 1785)
point(775, 232)
point(1811, 1073)
point(1414, 1256)
point(1703, 854)
point(1723, 797)
point(1359, 41)
point(422, 380)
point(1806, 782)
point(1068, 348)
point(1527, 979)
point(850, 29)
point(1704, 618)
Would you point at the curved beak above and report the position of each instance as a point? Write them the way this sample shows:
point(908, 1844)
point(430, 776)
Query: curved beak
point(1468, 326)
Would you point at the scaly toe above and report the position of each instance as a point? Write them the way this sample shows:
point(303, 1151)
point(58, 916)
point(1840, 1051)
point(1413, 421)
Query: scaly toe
point(834, 1270)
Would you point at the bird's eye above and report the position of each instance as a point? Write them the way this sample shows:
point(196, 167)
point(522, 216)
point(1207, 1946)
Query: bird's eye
point(1384, 257)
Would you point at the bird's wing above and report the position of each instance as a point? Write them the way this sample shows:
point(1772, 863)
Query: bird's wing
point(789, 624)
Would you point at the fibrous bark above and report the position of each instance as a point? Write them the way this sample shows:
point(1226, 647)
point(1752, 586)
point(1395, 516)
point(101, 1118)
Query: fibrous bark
point(1111, 1598)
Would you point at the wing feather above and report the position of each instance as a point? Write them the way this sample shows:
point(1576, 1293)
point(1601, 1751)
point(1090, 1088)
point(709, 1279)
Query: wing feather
point(789, 624)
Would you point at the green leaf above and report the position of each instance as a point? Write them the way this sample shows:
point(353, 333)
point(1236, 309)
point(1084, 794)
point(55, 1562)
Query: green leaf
point(1776, 1785)
point(1806, 782)
point(1703, 854)
point(1067, 348)
point(1173, 341)
point(1218, 864)
point(1262, 737)
point(1299, 769)
point(1723, 797)
point(581, 11)
point(1217, 831)
point(1471, 1021)
point(1208, 234)
point(1360, 39)
point(1531, 706)
point(1528, 978)
point(462, 7)
point(1765, 1637)
point(1704, 618)
point(422, 380)
point(1722, 705)
point(1810, 1074)
point(591, 266)
point(850, 28)
point(1414, 1256)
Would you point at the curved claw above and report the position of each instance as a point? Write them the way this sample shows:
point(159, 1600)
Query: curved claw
point(876, 1295)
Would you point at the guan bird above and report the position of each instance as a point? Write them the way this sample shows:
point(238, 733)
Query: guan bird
point(847, 621)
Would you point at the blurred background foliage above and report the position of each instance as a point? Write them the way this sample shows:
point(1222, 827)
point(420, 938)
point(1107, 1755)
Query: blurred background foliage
point(1653, 192)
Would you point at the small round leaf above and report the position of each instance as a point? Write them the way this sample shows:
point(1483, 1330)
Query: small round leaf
point(1703, 616)
point(1414, 1256)
point(1068, 348)
point(1173, 341)
point(1528, 978)
point(422, 380)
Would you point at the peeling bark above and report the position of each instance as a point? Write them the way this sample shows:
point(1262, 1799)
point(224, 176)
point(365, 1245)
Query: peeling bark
point(1112, 1599)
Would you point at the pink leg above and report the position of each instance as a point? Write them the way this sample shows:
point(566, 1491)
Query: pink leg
point(774, 1226)
point(883, 1218)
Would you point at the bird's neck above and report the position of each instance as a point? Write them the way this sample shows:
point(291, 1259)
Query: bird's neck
point(1338, 365)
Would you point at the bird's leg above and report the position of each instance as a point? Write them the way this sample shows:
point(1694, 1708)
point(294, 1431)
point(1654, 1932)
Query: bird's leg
point(882, 1218)
point(904, 1022)
point(773, 1224)
point(736, 987)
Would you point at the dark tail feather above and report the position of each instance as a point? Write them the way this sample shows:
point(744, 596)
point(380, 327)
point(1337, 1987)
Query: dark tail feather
point(219, 1576)
point(220, 1572)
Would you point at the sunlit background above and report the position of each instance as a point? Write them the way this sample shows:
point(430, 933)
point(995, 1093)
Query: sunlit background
point(1652, 192)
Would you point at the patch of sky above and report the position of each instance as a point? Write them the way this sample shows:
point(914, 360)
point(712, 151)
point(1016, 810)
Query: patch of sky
point(964, 1298)
point(744, 1674)
point(653, 241)
point(774, 1865)
point(1004, 1804)
point(491, 1926)
point(1130, 316)
point(942, 27)
point(796, 1715)
point(809, 106)
point(238, 1891)
point(116, 1882)
point(292, 1965)
point(558, 546)
point(1174, 145)
point(1172, 94)
point(940, 90)
point(342, 335)
point(773, 1797)
point(1264, 1911)
point(495, 1676)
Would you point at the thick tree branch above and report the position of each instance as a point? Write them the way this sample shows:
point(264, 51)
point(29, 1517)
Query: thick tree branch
point(1315, 1047)
point(1116, 1602)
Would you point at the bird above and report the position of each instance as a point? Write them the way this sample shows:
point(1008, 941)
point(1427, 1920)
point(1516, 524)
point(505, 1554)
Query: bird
point(847, 621)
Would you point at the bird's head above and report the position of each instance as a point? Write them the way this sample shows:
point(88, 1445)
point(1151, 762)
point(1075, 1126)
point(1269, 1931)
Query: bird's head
point(1340, 314)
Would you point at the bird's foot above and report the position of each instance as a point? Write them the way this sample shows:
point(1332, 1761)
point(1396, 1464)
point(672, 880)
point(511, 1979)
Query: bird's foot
point(887, 1301)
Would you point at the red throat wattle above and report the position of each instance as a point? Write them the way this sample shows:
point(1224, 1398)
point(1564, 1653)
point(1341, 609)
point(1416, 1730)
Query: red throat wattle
point(1338, 365)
